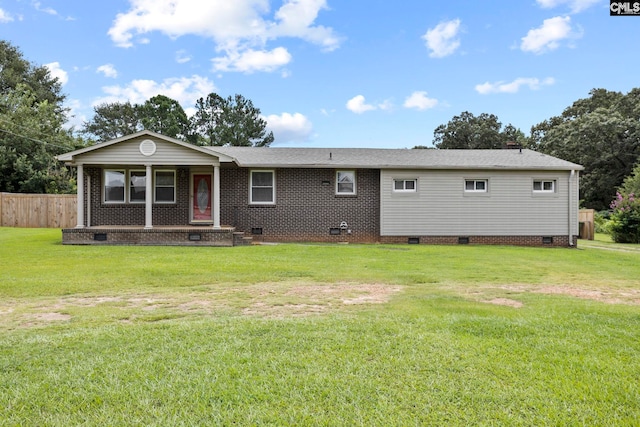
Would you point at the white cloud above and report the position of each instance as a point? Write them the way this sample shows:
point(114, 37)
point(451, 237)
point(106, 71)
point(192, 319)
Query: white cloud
point(75, 115)
point(108, 70)
point(5, 16)
point(442, 39)
point(420, 101)
point(47, 10)
point(358, 105)
point(185, 90)
point(514, 86)
point(241, 29)
point(250, 61)
point(549, 35)
point(288, 127)
point(182, 56)
point(295, 19)
point(56, 71)
point(575, 5)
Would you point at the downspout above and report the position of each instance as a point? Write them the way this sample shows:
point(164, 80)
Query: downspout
point(571, 179)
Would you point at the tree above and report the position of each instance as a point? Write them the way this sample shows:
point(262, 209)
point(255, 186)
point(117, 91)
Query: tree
point(206, 123)
point(228, 121)
point(631, 184)
point(31, 132)
point(602, 133)
point(166, 116)
point(30, 138)
point(113, 120)
point(467, 131)
point(15, 71)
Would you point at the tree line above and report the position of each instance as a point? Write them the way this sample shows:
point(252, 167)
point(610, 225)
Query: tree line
point(217, 121)
point(600, 132)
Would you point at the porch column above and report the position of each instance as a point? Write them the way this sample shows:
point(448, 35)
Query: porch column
point(80, 197)
point(216, 197)
point(148, 199)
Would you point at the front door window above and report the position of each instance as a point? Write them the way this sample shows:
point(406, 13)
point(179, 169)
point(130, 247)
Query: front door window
point(201, 207)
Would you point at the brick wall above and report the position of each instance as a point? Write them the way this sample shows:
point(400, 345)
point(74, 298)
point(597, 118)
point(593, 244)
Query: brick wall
point(556, 241)
point(306, 206)
point(162, 237)
point(133, 214)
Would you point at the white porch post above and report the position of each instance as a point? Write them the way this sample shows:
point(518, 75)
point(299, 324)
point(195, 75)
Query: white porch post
point(148, 199)
point(216, 197)
point(80, 197)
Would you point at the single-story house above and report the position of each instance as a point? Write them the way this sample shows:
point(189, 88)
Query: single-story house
point(147, 188)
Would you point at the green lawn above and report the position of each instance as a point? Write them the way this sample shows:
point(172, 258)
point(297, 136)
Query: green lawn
point(317, 334)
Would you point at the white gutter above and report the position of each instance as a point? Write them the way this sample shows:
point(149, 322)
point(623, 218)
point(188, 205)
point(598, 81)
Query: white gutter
point(571, 179)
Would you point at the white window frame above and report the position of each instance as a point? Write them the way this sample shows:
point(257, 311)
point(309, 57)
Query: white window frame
point(404, 188)
point(129, 187)
point(155, 187)
point(104, 186)
point(542, 182)
point(475, 185)
point(272, 186)
point(345, 193)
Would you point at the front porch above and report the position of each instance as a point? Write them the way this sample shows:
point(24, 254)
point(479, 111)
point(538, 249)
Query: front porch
point(160, 235)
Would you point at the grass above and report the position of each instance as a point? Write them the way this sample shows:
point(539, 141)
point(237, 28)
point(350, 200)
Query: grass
point(316, 334)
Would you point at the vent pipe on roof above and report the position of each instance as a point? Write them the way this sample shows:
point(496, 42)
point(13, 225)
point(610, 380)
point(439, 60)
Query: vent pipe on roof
point(330, 155)
point(512, 145)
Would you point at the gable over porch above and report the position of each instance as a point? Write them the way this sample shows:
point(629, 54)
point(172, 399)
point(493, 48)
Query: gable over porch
point(146, 180)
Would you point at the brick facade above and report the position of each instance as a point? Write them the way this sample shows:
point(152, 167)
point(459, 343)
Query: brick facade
point(133, 214)
point(306, 206)
point(554, 241)
point(173, 236)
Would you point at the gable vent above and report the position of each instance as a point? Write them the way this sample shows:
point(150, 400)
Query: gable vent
point(147, 147)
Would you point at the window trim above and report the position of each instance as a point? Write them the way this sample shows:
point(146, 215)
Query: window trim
point(273, 187)
point(135, 202)
point(155, 187)
point(554, 186)
point(104, 186)
point(404, 188)
point(475, 185)
point(344, 193)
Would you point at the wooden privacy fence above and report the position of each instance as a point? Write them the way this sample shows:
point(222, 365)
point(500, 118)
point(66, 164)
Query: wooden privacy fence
point(586, 218)
point(38, 210)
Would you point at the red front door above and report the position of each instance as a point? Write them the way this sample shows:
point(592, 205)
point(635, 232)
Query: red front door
point(201, 207)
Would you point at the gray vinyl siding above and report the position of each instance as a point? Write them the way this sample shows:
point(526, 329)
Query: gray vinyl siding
point(128, 153)
point(441, 207)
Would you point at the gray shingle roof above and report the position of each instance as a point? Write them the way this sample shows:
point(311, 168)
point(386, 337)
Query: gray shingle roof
point(394, 158)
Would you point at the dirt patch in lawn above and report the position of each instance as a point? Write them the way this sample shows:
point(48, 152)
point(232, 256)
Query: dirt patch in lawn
point(39, 319)
point(505, 301)
point(609, 296)
point(629, 296)
point(278, 299)
point(304, 300)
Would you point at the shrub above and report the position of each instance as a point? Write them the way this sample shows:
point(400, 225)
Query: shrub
point(601, 222)
point(624, 224)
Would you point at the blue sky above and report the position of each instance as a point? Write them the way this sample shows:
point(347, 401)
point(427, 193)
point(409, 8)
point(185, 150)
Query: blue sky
point(329, 73)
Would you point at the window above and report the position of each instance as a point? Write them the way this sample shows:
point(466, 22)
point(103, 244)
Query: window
point(165, 186)
point(544, 186)
point(114, 186)
point(262, 189)
point(345, 182)
point(137, 186)
point(476, 185)
point(408, 185)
